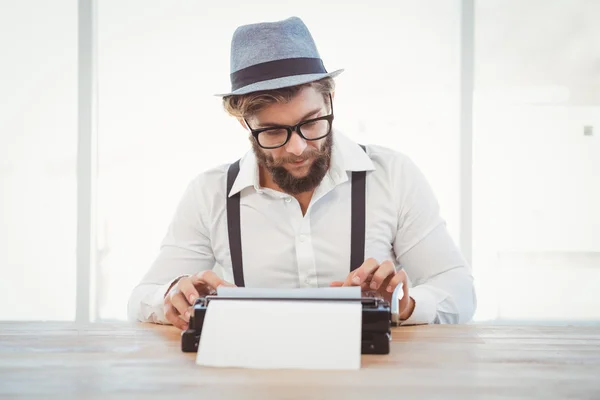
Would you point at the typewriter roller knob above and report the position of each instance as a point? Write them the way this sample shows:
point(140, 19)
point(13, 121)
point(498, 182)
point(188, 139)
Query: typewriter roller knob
point(189, 344)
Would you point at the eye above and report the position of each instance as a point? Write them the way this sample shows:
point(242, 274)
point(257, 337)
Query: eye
point(275, 132)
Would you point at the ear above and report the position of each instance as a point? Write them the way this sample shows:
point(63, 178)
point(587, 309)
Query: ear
point(333, 95)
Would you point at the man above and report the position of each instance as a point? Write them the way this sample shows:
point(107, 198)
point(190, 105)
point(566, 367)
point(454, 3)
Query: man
point(307, 207)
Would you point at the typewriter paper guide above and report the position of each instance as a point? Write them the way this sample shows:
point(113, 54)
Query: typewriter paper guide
point(282, 334)
point(352, 292)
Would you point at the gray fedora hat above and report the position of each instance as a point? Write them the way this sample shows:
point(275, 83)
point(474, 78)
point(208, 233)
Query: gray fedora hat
point(274, 55)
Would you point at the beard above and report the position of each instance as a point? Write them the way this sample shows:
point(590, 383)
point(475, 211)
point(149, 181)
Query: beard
point(288, 182)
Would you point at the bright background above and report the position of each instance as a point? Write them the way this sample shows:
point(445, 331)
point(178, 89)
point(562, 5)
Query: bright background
point(536, 175)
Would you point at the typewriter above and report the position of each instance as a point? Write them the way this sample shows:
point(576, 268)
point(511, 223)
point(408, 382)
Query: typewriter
point(377, 320)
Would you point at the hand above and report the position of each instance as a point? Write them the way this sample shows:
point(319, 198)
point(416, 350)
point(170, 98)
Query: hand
point(382, 278)
point(184, 293)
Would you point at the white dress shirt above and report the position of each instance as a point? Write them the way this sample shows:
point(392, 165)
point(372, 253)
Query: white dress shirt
point(283, 248)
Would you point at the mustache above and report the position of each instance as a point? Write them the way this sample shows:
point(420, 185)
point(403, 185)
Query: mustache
point(281, 176)
point(312, 153)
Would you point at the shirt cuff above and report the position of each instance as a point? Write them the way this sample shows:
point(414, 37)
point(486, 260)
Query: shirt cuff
point(425, 311)
point(154, 309)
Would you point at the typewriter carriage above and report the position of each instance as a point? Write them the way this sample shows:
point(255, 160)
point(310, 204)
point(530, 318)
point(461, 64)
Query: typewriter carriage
point(376, 321)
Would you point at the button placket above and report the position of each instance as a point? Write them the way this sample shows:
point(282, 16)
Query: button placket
point(305, 254)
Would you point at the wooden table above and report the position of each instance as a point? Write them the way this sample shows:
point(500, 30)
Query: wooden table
point(66, 360)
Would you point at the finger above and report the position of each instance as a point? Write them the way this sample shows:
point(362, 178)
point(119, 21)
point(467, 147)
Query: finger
point(362, 273)
point(364, 286)
point(385, 284)
point(351, 275)
point(189, 290)
point(404, 301)
point(348, 281)
point(211, 279)
point(399, 277)
point(180, 304)
point(386, 270)
point(368, 279)
point(173, 317)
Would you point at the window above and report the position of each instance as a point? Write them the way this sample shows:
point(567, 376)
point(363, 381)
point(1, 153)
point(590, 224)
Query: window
point(535, 174)
point(38, 146)
point(536, 121)
point(161, 62)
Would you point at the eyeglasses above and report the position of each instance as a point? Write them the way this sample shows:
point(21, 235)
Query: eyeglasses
point(277, 136)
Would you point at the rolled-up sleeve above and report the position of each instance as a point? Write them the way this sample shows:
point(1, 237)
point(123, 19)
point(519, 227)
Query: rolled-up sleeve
point(185, 250)
point(441, 280)
point(443, 288)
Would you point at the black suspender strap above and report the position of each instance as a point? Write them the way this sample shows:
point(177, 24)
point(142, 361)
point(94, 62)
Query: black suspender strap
point(357, 239)
point(234, 226)
point(357, 235)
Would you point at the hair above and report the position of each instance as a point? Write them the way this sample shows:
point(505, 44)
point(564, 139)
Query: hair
point(246, 105)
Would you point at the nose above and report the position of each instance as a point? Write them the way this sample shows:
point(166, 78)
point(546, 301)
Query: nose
point(296, 145)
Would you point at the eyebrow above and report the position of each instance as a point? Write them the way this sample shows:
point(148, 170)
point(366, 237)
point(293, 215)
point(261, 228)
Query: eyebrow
point(269, 124)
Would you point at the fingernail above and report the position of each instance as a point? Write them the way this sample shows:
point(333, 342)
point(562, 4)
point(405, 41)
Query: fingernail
point(356, 280)
point(187, 315)
point(373, 285)
point(390, 289)
point(192, 298)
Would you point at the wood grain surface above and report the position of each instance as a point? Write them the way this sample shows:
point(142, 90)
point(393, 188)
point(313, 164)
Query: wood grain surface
point(67, 360)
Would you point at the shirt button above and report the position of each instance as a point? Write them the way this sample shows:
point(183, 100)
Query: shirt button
point(302, 239)
point(288, 199)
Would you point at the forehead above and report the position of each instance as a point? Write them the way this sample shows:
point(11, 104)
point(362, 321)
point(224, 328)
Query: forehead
point(305, 102)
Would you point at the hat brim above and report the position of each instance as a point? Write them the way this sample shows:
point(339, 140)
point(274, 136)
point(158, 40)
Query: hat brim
point(280, 83)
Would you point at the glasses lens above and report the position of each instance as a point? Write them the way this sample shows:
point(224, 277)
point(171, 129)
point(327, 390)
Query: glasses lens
point(272, 137)
point(315, 129)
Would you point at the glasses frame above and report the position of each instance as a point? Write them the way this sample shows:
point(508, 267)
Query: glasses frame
point(295, 128)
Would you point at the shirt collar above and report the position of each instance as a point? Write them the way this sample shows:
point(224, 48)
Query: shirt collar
point(248, 175)
point(346, 155)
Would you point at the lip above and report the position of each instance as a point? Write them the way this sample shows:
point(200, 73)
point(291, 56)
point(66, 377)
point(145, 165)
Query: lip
point(299, 163)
